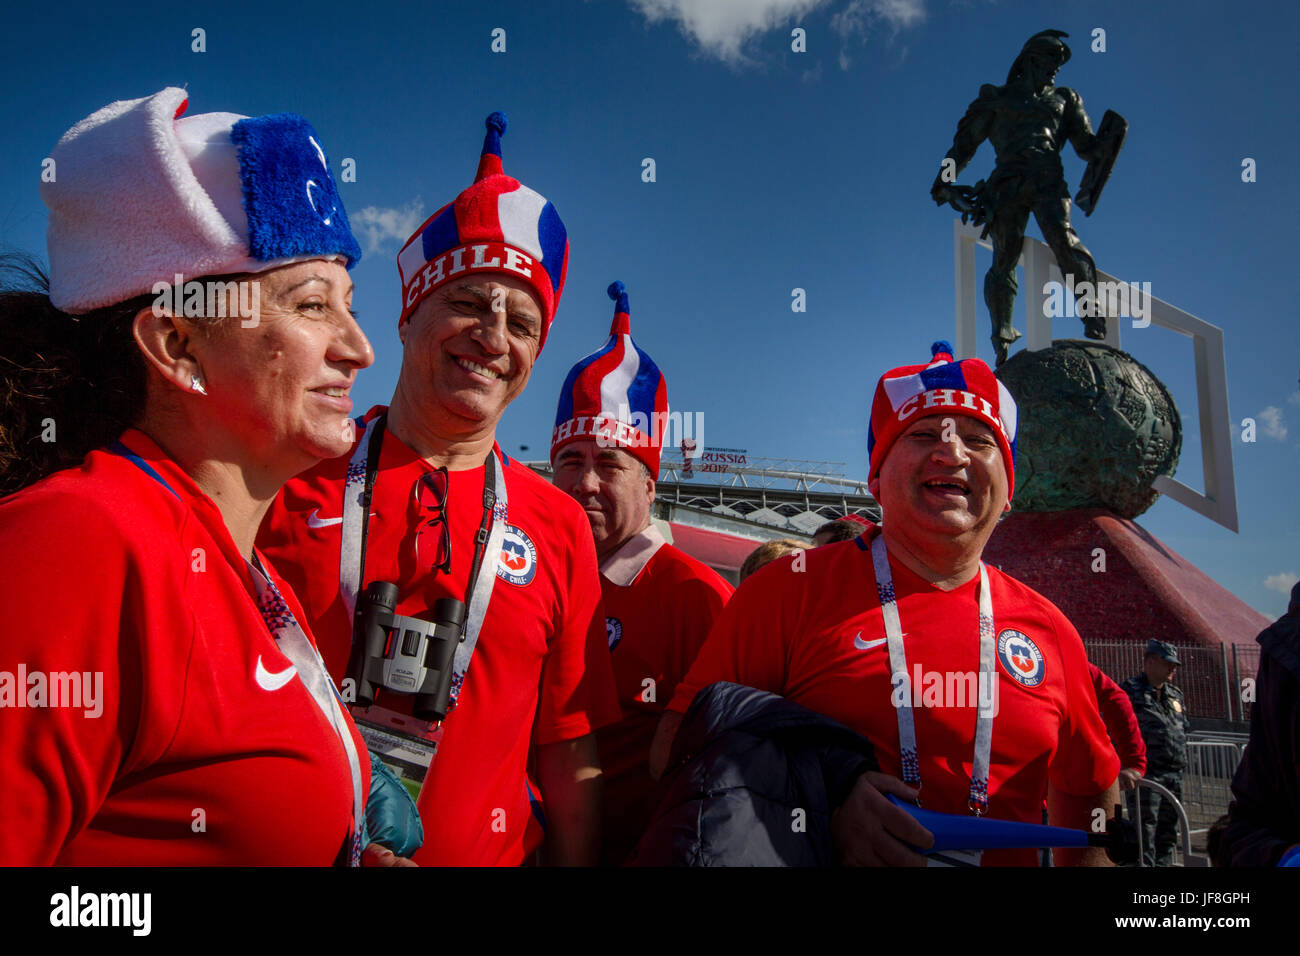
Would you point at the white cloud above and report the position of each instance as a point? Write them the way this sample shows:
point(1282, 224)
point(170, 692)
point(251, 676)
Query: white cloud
point(722, 28)
point(1281, 582)
point(1293, 398)
point(1271, 423)
point(378, 224)
point(860, 15)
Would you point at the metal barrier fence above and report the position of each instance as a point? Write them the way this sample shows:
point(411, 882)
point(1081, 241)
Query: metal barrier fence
point(1217, 683)
point(1183, 843)
point(1206, 788)
point(1213, 679)
point(1212, 760)
point(1208, 778)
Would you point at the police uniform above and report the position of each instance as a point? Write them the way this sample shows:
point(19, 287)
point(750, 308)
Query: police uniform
point(1162, 715)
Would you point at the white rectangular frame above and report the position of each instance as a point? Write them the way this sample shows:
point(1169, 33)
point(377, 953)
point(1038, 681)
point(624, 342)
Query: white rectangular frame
point(1219, 502)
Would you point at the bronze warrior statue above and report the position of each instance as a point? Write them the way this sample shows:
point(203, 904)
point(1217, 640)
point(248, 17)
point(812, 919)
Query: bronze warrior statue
point(1029, 121)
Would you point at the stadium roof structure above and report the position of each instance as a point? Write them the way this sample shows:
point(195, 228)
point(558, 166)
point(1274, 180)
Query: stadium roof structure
point(718, 517)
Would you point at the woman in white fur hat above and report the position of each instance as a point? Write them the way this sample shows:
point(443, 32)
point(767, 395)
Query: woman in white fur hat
point(160, 702)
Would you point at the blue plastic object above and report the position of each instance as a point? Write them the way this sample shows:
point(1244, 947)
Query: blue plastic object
point(953, 831)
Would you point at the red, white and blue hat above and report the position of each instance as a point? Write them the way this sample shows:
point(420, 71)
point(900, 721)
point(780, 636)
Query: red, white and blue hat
point(943, 387)
point(496, 225)
point(616, 395)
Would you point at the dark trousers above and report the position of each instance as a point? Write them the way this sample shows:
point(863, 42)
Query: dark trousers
point(1159, 819)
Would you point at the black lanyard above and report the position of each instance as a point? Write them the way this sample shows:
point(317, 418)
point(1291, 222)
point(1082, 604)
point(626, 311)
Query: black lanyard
point(372, 473)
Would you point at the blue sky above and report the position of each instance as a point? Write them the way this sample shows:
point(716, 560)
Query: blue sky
point(775, 170)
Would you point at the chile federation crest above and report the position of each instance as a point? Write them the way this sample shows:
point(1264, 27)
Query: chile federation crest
point(1021, 658)
point(518, 563)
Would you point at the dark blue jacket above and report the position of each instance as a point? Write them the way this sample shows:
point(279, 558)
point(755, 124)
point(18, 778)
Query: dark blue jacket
point(1264, 816)
point(752, 781)
point(1162, 715)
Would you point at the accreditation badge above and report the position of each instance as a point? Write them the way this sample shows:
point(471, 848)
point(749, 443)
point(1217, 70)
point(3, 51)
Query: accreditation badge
point(406, 744)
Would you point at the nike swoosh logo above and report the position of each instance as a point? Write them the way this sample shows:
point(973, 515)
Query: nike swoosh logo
point(313, 521)
point(862, 645)
point(268, 681)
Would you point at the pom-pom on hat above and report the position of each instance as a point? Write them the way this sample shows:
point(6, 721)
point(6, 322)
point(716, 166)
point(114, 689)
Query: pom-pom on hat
point(616, 395)
point(141, 194)
point(943, 387)
point(495, 225)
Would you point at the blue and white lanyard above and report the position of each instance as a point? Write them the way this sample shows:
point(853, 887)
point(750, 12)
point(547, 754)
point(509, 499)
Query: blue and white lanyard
point(294, 645)
point(979, 779)
point(354, 515)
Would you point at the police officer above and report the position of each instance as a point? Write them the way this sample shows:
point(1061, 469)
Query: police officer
point(1162, 715)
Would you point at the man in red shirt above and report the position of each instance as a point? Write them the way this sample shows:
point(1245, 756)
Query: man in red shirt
point(660, 603)
point(1122, 724)
point(972, 687)
point(428, 503)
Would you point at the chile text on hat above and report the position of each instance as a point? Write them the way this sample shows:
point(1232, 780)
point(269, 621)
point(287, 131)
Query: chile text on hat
point(495, 225)
point(944, 386)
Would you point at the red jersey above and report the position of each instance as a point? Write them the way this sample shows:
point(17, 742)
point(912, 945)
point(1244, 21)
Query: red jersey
point(1120, 720)
point(540, 672)
point(818, 638)
point(660, 604)
point(184, 742)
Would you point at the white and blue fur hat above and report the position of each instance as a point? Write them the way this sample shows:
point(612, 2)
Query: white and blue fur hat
point(140, 195)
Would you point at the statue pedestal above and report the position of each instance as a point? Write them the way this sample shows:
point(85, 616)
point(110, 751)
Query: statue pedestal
point(1147, 590)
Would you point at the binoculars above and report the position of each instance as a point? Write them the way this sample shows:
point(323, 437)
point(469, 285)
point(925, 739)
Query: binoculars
point(407, 655)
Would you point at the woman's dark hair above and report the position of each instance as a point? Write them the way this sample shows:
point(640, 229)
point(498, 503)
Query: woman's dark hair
point(68, 384)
